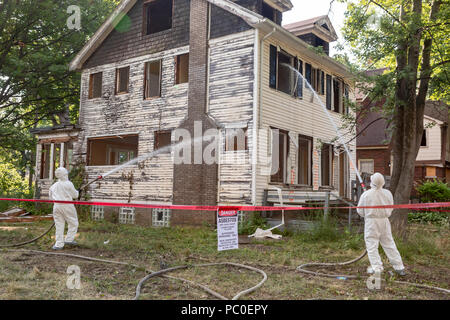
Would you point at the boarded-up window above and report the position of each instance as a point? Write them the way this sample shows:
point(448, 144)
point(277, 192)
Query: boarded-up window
point(157, 16)
point(182, 68)
point(280, 152)
point(152, 81)
point(304, 160)
point(112, 150)
point(328, 100)
point(273, 67)
point(366, 165)
point(236, 139)
point(162, 140)
point(122, 80)
point(95, 85)
point(326, 164)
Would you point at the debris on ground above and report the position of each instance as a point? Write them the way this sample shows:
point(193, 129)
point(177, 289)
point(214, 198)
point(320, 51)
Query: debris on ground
point(21, 215)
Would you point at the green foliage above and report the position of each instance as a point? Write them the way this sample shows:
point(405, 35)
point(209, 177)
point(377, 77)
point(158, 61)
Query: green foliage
point(433, 217)
point(11, 182)
point(36, 85)
point(433, 190)
point(250, 225)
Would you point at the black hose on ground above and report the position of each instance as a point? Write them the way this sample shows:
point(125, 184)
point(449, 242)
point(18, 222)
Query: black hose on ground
point(20, 244)
point(302, 267)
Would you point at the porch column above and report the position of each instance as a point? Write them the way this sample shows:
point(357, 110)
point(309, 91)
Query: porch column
point(52, 150)
point(61, 156)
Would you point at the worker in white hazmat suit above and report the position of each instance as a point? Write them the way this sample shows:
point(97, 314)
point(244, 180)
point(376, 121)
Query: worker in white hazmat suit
point(64, 190)
point(377, 228)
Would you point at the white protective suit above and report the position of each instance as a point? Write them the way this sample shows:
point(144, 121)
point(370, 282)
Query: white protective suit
point(64, 190)
point(377, 228)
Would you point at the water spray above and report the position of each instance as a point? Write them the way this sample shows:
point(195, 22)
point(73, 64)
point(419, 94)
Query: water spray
point(361, 182)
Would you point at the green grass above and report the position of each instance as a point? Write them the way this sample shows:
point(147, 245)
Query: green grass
point(425, 254)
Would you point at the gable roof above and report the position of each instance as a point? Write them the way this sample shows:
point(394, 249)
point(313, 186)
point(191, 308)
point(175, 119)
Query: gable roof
point(320, 26)
point(252, 18)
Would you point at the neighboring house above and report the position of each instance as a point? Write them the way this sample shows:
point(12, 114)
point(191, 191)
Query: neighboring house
point(374, 143)
point(222, 63)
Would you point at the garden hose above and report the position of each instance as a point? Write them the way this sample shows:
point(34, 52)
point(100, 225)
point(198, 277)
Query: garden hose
point(162, 272)
point(29, 241)
point(302, 267)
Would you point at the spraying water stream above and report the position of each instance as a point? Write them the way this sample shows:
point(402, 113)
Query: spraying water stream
point(325, 110)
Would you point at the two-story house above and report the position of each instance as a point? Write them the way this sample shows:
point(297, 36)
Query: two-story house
point(156, 68)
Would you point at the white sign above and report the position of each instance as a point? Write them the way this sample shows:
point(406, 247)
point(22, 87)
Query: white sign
point(227, 229)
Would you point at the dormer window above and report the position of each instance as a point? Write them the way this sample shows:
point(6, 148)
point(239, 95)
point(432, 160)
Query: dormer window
point(157, 16)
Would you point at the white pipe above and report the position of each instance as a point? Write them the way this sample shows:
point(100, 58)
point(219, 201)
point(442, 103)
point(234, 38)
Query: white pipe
point(280, 197)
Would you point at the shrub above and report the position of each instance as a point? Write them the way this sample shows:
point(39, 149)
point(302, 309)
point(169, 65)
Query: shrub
point(433, 191)
point(436, 218)
point(250, 225)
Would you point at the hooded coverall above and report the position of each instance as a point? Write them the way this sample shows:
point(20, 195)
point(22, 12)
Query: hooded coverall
point(377, 228)
point(64, 190)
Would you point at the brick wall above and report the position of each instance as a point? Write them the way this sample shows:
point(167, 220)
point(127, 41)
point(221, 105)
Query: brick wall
point(196, 184)
point(381, 159)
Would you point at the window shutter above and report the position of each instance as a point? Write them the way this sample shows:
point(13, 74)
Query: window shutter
point(300, 79)
point(328, 92)
point(273, 67)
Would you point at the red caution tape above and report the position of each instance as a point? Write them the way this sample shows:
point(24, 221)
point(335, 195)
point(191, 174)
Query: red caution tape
point(413, 206)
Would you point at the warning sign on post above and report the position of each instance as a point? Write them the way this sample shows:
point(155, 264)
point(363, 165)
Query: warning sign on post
point(227, 229)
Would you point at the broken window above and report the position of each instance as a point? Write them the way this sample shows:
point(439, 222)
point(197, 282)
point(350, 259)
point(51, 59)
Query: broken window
point(127, 215)
point(152, 80)
point(162, 139)
point(236, 139)
point(110, 151)
point(326, 164)
point(95, 85)
point(280, 152)
point(182, 68)
point(122, 80)
point(157, 16)
point(328, 98)
point(423, 142)
point(268, 12)
point(161, 217)
point(285, 74)
point(304, 160)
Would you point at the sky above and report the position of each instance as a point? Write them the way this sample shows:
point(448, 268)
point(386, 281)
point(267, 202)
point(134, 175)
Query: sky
point(305, 9)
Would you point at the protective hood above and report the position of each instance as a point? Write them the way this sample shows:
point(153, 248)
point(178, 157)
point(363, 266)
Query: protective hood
point(377, 181)
point(62, 174)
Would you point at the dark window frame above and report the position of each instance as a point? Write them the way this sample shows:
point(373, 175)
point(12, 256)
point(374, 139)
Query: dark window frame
point(93, 85)
point(119, 79)
point(177, 68)
point(145, 20)
point(323, 183)
point(147, 95)
point(160, 143)
point(310, 160)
